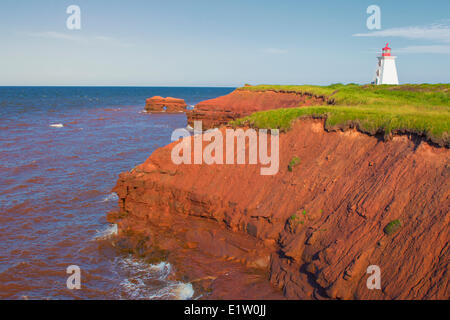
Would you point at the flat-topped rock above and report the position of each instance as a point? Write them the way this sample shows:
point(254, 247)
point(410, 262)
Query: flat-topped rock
point(169, 104)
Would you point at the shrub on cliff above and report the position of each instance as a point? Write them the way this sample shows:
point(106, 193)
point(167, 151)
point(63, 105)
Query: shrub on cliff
point(392, 227)
point(294, 162)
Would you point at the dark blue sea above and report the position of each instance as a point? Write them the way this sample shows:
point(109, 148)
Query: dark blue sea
point(61, 151)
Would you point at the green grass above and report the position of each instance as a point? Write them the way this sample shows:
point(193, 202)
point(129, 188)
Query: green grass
point(392, 227)
point(295, 219)
point(420, 109)
point(294, 162)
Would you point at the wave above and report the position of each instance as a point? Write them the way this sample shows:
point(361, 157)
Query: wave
point(111, 197)
point(107, 233)
point(57, 125)
point(150, 281)
point(163, 269)
point(176, 291)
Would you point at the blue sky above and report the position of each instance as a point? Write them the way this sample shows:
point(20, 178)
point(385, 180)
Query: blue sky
point(219, 43)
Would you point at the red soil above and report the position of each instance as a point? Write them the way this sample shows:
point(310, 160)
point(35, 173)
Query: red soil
point(311, 232)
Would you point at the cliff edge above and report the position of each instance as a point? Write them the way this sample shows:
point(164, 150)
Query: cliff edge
point(240, 103)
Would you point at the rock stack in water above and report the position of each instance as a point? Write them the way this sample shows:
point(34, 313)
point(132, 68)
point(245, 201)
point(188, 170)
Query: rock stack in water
point(160, 104)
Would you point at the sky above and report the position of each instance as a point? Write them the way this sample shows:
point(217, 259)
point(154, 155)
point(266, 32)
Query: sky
point(219, 43)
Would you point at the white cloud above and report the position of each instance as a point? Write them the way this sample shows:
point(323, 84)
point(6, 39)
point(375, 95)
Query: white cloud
point(274, 51)
point(442, 49)
point(70, 37)
point(434, 32)
point(439, 33)
point(55, 35)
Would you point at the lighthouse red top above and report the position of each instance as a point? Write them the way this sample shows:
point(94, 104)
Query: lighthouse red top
point(386, 51)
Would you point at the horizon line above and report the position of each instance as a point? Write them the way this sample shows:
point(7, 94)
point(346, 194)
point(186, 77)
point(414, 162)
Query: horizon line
point(112, 86)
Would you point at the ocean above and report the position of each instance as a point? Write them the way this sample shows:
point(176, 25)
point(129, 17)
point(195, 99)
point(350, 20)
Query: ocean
point(61, 151)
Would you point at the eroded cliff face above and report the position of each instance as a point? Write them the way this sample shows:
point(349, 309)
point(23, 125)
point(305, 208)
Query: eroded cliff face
point(312, 232)
point(240, 103)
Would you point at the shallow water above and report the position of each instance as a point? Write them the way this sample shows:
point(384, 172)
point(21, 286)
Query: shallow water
point(61, 151)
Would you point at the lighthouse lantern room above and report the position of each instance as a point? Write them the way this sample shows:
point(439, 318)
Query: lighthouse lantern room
point(386, 72)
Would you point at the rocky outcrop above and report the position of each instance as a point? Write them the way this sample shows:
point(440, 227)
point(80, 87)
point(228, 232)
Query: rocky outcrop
point(160, 104)
point(350, 201)
point(241, 102)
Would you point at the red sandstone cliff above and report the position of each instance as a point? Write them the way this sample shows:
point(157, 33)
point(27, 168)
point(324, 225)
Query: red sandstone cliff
point(240, 103)
point(311, 232)
point(160, 104)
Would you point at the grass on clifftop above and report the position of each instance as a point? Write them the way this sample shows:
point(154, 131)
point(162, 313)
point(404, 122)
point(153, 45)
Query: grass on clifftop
point(422, 109)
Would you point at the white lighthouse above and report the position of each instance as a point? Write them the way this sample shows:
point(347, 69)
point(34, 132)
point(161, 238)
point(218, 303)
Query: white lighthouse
point(386, 71)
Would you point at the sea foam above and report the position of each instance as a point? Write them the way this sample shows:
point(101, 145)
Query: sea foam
point(111, 197)
point(149, 281)
point(107, 233)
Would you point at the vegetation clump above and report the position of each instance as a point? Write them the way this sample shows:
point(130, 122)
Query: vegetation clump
point(392, 227)
point(296, 219)
point(294, 162)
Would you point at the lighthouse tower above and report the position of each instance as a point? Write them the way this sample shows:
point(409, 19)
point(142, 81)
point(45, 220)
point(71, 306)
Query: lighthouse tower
point(386, 71)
